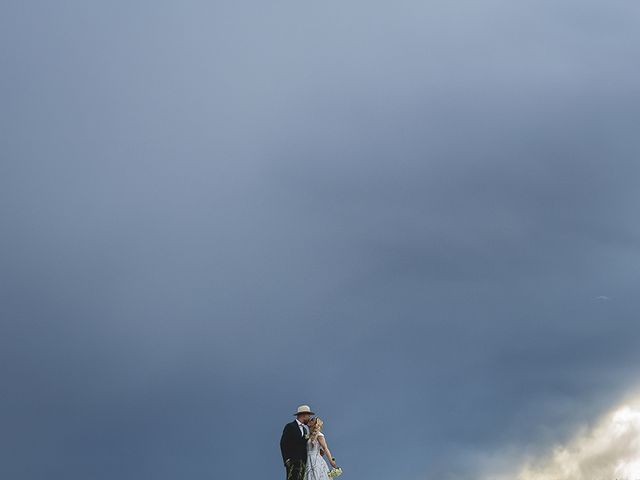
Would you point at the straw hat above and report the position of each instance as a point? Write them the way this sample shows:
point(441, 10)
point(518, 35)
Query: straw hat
point(304, 409)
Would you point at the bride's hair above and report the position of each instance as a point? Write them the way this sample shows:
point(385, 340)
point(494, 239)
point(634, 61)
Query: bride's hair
point(316, 426)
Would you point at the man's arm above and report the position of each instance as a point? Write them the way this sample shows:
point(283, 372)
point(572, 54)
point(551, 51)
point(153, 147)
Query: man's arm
point(284, 441)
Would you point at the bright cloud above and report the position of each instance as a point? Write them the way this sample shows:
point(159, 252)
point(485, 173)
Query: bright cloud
point(610, 450)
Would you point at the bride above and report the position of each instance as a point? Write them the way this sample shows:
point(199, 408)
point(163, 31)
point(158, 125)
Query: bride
point(316, 468)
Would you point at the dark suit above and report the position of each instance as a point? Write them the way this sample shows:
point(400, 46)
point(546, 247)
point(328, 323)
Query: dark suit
point(293, 446)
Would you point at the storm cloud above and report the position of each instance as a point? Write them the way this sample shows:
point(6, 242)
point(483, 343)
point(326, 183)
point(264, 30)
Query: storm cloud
point(406, 215)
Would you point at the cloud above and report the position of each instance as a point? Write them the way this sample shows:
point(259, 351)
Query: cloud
point(606, 450)
point(373, 208)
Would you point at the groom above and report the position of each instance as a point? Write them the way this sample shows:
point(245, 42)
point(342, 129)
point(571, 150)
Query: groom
point(293, 443)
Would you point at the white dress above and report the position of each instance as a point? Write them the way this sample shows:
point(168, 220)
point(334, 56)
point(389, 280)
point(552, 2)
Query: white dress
point(317, 468)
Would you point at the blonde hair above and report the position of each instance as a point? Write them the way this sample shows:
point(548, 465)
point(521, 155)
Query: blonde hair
point(316, 427)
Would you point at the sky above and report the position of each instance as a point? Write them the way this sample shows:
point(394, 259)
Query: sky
point(418, 217)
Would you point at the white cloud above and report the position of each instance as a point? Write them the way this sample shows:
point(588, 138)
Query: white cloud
point(610, 450)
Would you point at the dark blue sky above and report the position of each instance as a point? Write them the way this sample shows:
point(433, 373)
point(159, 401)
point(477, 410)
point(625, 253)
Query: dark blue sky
point(405, 214)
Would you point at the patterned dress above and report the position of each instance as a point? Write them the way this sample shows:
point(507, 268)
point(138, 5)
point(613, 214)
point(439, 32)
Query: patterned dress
point(317, 468)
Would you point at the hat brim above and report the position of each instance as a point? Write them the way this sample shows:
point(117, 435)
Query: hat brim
point(302, 413)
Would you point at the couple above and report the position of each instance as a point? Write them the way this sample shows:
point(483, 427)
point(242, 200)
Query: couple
point(302, 445)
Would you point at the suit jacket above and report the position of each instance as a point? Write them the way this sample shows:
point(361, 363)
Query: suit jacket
point(293, 445)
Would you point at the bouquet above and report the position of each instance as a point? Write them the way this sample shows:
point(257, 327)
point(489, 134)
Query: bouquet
point(335, 472)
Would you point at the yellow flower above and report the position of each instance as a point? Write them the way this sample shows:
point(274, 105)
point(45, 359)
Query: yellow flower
point(336, 472)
